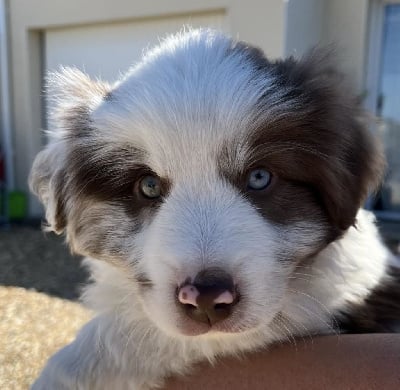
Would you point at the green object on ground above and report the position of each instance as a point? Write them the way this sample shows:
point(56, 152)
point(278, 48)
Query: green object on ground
point(2, 205)
point(17, 205)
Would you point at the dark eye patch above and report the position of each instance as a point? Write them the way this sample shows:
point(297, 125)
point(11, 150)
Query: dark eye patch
point(291, 196)
point(108, 174)
point(100, 184)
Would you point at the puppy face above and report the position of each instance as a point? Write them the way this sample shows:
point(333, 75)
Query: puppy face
point(206, 158)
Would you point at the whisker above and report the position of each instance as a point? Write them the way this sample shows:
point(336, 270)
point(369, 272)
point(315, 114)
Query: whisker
point(302, 274)
point(313, 299)
point(129, 336)
point(291, 339)
point(278, 331)
point(291, 322)
point(296, 278)
point(332, 326)
point(144, 336)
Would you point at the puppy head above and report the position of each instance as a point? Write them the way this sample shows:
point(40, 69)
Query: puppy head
point(207, 173)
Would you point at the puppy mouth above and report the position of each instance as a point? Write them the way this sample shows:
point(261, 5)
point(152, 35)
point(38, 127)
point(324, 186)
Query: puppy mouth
point(188, 327)
point(233, 324)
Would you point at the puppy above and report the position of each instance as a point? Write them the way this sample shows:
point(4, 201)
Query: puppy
point(216, 195)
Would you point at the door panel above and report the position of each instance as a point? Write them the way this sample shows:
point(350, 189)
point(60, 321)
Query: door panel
point(106, 50)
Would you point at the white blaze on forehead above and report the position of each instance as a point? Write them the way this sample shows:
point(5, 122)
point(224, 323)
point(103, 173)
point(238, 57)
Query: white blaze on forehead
point(200, 226)
point(187, 97)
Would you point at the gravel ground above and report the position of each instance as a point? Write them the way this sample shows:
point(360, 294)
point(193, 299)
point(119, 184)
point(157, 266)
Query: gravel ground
point(39, 286)
point(32, 327)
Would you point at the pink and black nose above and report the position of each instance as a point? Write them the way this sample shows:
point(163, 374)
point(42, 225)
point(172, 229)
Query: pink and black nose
point(210, 298)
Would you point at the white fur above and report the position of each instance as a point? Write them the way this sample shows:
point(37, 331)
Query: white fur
point(137, 338)
point(341, 275)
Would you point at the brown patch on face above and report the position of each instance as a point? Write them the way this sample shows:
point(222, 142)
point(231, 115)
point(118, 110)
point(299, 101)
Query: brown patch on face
point(107, 206)
point(94, 190)
point(309, 135)
point(338, 172)
point(107, 173)
point(286, 202)
point(326, 141)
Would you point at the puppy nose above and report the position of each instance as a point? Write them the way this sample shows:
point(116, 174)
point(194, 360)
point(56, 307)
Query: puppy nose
point(210, 298)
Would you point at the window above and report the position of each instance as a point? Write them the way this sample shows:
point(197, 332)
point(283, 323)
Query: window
point(384, 100)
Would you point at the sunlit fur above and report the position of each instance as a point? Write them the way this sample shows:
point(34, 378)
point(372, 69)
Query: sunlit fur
point(199, 111)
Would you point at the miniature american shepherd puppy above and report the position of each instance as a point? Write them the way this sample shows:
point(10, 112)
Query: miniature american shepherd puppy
point(216, 196)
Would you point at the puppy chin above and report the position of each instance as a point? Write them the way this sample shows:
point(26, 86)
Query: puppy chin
point(191, 328)
point(185, 326)
point(188, 327)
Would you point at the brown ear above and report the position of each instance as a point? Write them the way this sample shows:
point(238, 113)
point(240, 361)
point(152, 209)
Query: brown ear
point(340, 156)
point(357, 161)
point(349, 180)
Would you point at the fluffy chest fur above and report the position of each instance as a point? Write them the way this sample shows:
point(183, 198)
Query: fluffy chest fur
point(217, 197)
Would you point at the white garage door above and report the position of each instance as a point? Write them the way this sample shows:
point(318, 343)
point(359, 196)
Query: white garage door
point(107, 50)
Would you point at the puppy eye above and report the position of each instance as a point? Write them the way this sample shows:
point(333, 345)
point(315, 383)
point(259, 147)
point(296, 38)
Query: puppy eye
point(150, 187)
point(258, 179)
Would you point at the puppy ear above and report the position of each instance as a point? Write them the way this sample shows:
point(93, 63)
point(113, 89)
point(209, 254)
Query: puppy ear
point(355, 156)
point(47, 180)
point(71, 97)
point(336, 152)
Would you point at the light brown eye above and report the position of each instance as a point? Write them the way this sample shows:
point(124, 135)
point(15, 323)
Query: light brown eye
point(150, 187)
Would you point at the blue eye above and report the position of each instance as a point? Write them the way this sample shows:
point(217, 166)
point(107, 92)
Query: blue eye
point(258, 179)
point(150, 187)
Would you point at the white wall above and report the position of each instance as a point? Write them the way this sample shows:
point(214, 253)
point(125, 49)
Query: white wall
point(343, 23)
point(346, 25)
point(107, 50)
point(304, 25)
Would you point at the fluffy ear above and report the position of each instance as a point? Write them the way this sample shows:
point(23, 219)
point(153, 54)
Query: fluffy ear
point(46, 180)
point(72, 96)
point(337, 153)
point(356, 160)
